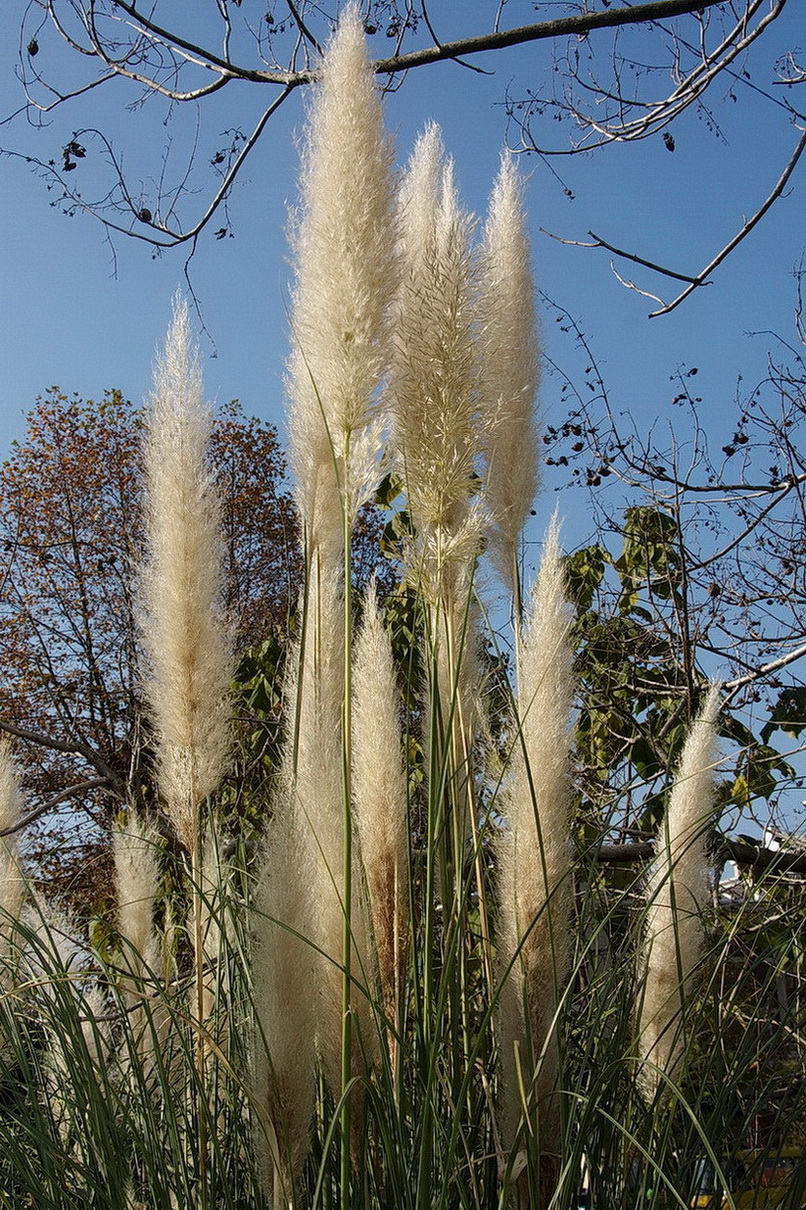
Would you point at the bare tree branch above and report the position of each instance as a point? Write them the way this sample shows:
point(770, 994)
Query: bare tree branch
point(128, 40)
point(639, 260)
point(629, 118)
point(760, 858)
point(745, 533)
point(227, 69)
point(577, 24)
point(74, 747)
point(154, 231)
point(699, 279)
point(764, 670)
point(303, 28)
point(95, 783)
point(630, 285)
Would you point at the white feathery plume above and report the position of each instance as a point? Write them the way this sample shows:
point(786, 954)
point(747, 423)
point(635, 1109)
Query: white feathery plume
point(317, 796)
point(301, 903)
point(679, 889)
point(184, 633)
point(135, 846)
point(343, 248)
point(436, 421)
point(12, 882)
point(285, 973)
point(380, 798)
point(510, 368)
point(434, 381)
point(534, 856)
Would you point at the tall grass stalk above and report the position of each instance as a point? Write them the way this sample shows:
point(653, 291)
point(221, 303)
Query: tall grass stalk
point(12, 881)
point(381, 809)
point(136, 847)
point(344, 251)
point(536, 881)
point(437, 429)
point(184, 634)
point(287, 991)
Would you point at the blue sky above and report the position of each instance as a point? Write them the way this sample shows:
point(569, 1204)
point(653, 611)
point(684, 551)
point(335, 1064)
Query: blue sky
point(73, 316)
point(86, 316)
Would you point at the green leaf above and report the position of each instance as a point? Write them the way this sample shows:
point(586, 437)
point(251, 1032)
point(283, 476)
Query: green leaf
point(584, 571)
point(788, 714)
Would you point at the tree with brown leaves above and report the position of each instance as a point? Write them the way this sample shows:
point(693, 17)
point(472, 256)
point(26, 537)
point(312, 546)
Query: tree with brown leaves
point(70, 529)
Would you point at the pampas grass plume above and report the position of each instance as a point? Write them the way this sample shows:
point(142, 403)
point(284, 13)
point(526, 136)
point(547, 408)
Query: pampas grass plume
point(135, 847)
point(536, 891)
point(344, 254)
point(12, 882)
point(285, 1000)
point(379, 793)
point(510, 368)
point(434, 381)
point(679, 889)
point(316, 795)
point(184, 632)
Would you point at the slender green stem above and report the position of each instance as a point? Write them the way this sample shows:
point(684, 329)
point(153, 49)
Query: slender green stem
point(347, 939)
point(434, 853)
point(200, 1046)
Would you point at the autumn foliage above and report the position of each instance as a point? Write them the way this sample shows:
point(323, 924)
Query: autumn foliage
point(71, 530)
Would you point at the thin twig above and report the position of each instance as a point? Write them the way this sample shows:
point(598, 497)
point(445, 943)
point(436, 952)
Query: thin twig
point(302, 27)
point(639, 260)
point(745, 230)
point(630, 285)
point(433, 33)
point(785, 490)
point(76, 747)
point(700, 279)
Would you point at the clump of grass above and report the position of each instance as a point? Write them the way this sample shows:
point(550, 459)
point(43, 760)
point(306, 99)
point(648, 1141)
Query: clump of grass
point(420, 997)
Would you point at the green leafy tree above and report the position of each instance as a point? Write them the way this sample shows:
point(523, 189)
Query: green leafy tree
point(694, 572)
